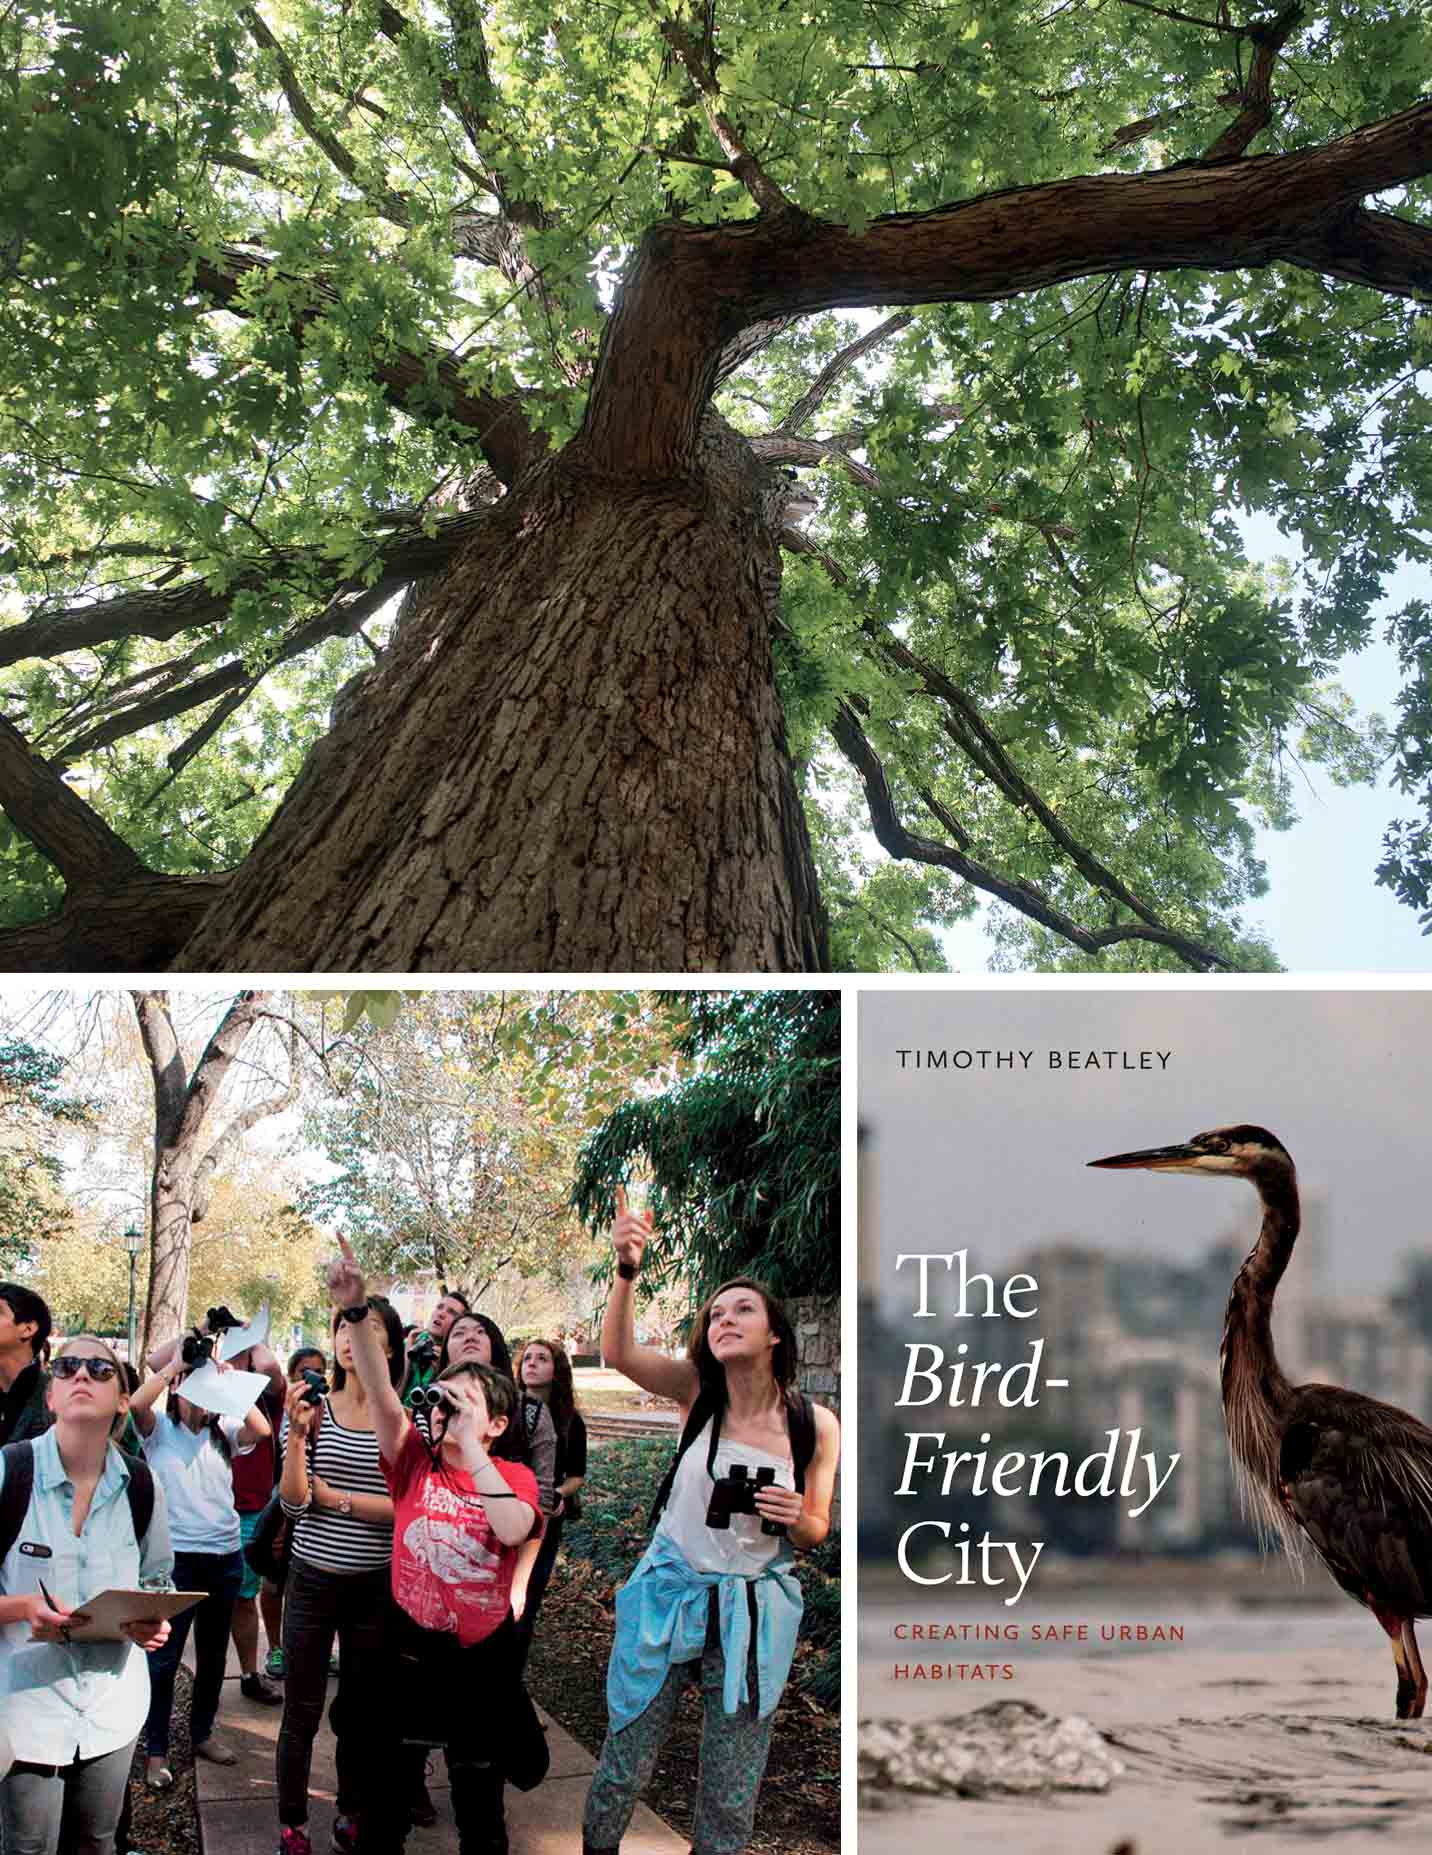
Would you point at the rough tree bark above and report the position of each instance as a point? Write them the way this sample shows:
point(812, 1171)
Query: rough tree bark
point(573, 759)
point(182, 1169)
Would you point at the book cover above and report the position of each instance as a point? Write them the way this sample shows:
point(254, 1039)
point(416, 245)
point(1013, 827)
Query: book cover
point(1081, 1617)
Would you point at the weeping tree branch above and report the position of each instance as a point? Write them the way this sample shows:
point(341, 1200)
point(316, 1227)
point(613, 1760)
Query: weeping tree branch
point(962, 722)
point(901, 843)
point(407, 554)
point(339, 619)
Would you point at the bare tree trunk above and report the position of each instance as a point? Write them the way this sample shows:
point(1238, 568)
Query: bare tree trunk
point(573, 760)
point(182, 1103)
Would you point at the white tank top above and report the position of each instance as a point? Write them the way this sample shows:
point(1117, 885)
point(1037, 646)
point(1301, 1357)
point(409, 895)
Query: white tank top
point(741, 1547)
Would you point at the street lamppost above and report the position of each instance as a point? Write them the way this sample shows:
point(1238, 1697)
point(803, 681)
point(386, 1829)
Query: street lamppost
point(134, 1243)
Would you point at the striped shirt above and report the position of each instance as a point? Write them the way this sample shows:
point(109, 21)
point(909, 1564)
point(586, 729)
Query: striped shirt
point(322, 1537)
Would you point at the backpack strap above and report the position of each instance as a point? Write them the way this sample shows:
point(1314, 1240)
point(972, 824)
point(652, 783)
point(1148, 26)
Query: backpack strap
point(140, 1490)
point(800, 1418)
point(15, 1495)
point(705, 1407)
point(20, 1482)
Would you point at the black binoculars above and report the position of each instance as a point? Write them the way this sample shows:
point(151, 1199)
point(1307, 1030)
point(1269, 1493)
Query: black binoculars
point(735, 1493)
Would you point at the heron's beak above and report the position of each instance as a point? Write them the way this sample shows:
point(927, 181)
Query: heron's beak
point(1154, 1158)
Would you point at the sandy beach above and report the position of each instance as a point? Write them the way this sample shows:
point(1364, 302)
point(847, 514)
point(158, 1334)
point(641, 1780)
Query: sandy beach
point(1272, 1719)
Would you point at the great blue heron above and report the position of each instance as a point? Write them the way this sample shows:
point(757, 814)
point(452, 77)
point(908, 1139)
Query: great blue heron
point(1350, 1473)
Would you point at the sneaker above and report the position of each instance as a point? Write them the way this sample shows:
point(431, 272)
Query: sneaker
point(254, 1687)
point(345, 1835)
point(216, 1751)
point(294, 1842)
point(273, 1667)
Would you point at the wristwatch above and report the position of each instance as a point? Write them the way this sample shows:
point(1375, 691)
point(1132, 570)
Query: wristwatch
point(345, 1507)
point(354, 1314)
point(627, 1271)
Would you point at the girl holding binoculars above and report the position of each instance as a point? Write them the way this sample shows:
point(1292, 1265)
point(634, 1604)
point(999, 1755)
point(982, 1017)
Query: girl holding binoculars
point(712, 1598)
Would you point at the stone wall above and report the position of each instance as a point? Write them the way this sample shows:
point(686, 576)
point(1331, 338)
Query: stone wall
point(817, 1324)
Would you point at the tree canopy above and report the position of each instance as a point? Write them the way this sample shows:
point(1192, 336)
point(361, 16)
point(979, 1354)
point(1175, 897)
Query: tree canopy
point(743, 1155)
point(35, 1115)
point(307, 305)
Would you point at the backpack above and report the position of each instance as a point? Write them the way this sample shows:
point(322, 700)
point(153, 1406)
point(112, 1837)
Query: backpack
point(20, 1481)
point(800, 1416)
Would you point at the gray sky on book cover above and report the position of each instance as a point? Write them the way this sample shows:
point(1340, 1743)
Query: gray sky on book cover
point(979, 1112)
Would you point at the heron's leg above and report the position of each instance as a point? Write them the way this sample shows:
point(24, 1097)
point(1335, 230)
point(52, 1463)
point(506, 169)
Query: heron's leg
point(1399, 1630)
point(1415, 1670)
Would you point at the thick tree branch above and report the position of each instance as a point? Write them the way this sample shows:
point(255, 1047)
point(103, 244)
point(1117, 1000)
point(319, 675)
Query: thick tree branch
point(777, 448)
point(900, 843)
point(242, 1123)
point(692, 288)
point(135, 924)
point(419, 383)
point(56, 820)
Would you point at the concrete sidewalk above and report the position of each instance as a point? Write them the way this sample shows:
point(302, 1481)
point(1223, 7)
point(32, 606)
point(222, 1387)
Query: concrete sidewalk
point(239, 1815)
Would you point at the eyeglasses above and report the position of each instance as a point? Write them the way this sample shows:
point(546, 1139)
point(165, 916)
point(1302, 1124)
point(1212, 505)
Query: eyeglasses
point(70, 1365)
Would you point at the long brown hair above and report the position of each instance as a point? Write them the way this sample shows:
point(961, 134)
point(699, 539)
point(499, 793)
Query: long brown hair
point(783, 1355)
point(562, 1402)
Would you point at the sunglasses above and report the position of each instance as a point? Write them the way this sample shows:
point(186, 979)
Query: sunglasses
point(70, 1365)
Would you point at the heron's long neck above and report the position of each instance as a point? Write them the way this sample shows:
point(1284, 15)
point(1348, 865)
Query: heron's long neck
point(1255, 1392)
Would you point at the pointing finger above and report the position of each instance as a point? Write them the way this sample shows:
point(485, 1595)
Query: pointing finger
point(347, 1248)
point(621, 1201)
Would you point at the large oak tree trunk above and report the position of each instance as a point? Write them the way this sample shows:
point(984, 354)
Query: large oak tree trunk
point(572, 759)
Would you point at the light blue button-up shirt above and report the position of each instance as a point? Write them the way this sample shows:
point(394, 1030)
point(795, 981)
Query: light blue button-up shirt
point(662, 1612)
point(62, 1701)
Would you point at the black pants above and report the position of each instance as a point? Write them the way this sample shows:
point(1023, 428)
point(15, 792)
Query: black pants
point(318, 1606)
point(464, 1700)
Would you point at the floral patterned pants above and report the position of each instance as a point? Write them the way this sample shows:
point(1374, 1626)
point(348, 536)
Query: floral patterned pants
point(734, 1748)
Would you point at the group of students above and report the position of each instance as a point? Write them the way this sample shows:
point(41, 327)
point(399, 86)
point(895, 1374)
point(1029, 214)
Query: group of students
point(425, 1493)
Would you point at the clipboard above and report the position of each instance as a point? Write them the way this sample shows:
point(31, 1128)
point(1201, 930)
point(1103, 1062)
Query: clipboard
point(106, 1611)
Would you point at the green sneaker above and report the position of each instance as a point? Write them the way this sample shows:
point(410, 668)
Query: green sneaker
point(273, 1667)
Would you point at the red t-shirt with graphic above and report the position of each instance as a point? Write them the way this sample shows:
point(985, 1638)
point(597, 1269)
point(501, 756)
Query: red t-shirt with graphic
point(450, 1571)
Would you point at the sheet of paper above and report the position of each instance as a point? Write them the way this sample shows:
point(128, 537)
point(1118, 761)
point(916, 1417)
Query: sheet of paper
point(239, 1339)
point(231, 1394)
point(107, 1610)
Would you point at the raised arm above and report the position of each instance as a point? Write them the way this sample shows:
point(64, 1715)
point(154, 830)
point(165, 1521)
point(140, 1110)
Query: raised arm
point(644, 1365)
point(148, 1394)
point(348, 1289)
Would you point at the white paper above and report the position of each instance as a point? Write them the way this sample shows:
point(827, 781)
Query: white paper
point(231, 1394)
point(106, 1611)
point(239, 1339)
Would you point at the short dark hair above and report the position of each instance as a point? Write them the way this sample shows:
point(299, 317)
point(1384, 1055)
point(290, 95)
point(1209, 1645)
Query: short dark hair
point(393, 1326)
point(25, 1304)
point(306, 1352)
point(455, 1294)
point(497, 1387)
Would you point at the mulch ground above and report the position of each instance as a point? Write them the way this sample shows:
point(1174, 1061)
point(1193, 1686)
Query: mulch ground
point(799, 1809)
point(167, 1822)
